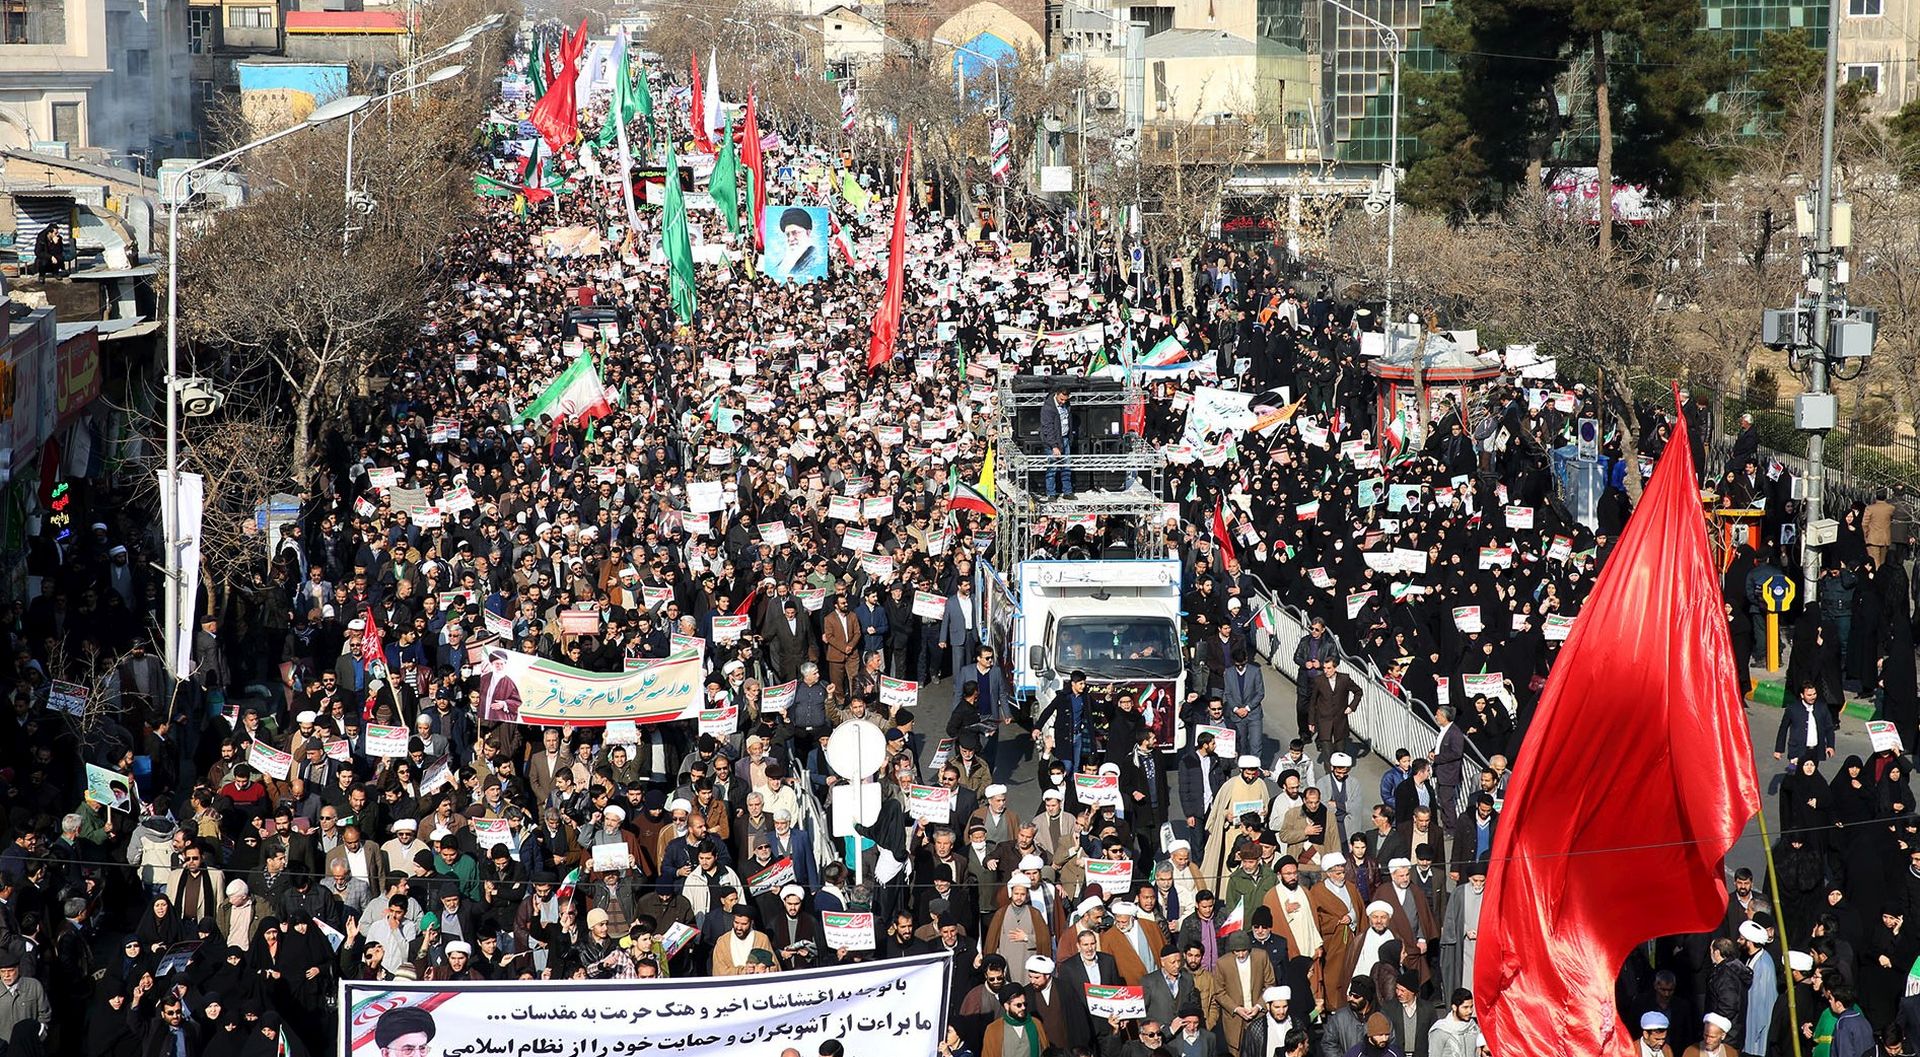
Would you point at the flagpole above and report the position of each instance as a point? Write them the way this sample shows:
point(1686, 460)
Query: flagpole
point(1780, 920)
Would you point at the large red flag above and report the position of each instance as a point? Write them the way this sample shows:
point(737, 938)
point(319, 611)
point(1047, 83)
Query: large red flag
point(557, 115)
point(756, 163)
point(886, 319)
point(1588, 862)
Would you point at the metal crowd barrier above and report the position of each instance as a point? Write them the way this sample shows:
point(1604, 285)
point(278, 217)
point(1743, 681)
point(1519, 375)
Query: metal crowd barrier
point(1384, 722)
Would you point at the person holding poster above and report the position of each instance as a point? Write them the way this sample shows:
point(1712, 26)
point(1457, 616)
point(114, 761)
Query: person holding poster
point(1248, 792)
point(799, 253)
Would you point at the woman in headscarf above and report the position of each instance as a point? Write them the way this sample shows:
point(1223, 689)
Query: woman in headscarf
point(222, 1027)
point(1895, 791)
point(160, 927)
point(109, 1034)
point(1853, 799)
point(306, 964)
point(230, 975)
point(1806, 802)
point(1893, 942)
point(1801, 867)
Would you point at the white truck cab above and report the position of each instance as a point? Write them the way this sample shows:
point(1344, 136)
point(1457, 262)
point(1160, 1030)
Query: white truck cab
point(1118, 621)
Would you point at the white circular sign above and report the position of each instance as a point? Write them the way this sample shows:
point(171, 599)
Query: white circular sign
point(856, 750)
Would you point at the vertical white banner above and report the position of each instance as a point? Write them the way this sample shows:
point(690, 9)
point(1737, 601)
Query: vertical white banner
point(192, 496)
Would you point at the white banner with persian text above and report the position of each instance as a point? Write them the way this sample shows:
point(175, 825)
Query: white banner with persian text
point(895, 1007)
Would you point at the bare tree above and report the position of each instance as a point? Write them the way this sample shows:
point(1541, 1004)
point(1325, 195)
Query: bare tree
point(243, 455)
point(315, 286)
point(1537, 273)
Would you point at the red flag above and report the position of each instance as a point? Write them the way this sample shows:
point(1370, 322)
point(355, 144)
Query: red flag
point(371, 651)
point(756, 164)
point(1222, 536)
point(1585, 870)
point(575, 45)
point(886, 320)
point(746, 604)
point(556, 115)
point(695, 115)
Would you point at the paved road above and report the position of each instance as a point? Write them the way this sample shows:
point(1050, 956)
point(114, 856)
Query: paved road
point(1762, 720)
point(1023, 790)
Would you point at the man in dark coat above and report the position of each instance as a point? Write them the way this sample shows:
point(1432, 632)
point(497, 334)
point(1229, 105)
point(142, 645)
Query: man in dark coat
point(1335, 696)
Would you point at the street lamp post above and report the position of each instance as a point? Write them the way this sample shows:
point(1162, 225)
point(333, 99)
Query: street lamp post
point(459, 45)
point(174, 617)
point(1391, 38)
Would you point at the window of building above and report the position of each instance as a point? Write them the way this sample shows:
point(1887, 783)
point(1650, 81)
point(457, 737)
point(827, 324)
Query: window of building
point(66, 123)
point(250, 17)
point(1863, 71)
point(203, 89)
point(137, 63)
point(33, 22)
point(1863, 8)
point(199, 30)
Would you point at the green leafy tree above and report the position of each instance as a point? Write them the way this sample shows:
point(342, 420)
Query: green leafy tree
point(1646, 67)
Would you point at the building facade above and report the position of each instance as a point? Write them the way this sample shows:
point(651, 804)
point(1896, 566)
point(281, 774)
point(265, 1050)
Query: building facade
point(104, 80)
point(1879, 44)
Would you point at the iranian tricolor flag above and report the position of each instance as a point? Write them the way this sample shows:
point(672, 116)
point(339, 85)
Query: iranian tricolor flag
point(839, 238)
point(1234, 921)
point(1167, 352)
point(1395, 437)
point(565, 891)
point(575, 396)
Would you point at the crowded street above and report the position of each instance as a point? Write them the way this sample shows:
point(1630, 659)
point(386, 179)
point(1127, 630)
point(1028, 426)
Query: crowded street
point(749, 565)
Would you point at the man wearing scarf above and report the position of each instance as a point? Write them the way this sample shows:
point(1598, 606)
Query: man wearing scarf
point(1246, 792)
point(1291, 905)
point(1015, 1034)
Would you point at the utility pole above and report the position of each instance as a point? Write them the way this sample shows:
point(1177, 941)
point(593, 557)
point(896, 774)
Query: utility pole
point(1823, 264)
point(1825, 335)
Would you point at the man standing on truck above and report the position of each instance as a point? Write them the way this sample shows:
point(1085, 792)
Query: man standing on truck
point(1056, 436)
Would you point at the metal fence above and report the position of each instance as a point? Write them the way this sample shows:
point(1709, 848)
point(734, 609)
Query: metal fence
point(1385, 722)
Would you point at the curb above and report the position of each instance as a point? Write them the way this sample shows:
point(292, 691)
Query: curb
point(1773, 695)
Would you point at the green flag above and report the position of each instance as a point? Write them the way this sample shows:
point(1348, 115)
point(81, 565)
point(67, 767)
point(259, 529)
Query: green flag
point(677, 243)
point(643, 99)
point(534, 67)
point(1098, 363)
point(724, 184)
point(491, 187)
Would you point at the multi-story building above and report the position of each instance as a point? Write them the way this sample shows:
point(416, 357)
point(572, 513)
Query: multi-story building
point(220, 34)
point(104, 80)
point(1208, 81)
point(1879, 44)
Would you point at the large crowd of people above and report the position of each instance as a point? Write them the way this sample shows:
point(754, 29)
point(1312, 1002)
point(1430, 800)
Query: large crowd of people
point(1274, 904)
